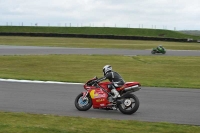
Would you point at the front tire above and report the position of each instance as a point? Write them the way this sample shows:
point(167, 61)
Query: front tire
point(130, 104)
point(153, 51)
point(83, 105)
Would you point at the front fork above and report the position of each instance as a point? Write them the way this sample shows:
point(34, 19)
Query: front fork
point(85, 93)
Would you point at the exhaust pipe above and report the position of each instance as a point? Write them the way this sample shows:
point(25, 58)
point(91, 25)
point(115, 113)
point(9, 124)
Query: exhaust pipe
point(129, 90)
point(133, 88)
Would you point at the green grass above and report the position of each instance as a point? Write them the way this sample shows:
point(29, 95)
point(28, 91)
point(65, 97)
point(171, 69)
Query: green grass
point(98, 30)
point(95, 43)
point(159, 71)
point(33, 123)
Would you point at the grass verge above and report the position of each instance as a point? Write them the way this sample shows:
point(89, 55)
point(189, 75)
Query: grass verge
point(95, 43)
point(159, 71)
point(34, 123)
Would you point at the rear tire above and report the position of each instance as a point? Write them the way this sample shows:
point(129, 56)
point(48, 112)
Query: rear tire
point(83, 105)
point(130, 104)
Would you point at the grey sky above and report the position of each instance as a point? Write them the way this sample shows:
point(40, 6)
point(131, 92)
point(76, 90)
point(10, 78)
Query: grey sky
point(159, 14)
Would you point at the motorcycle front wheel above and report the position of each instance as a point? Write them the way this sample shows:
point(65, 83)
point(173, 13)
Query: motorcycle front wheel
point(83, 104)
point(130, 104)
point(153, 51)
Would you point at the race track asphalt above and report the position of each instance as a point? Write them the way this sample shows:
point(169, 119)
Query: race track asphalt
point(156, 104)
point(27, 50)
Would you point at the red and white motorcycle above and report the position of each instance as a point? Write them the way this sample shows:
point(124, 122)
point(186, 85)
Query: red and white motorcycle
point(100, 97)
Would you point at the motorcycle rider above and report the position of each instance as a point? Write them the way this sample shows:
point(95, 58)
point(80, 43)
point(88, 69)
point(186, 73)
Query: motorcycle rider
point(160, 47)
point(115, 79)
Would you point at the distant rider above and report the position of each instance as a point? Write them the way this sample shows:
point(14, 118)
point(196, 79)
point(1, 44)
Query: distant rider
point(159, 48)
point(115, 79)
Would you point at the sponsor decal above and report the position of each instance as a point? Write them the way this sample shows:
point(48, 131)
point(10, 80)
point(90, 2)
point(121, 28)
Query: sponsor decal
point(94, 94)
point(100, 100)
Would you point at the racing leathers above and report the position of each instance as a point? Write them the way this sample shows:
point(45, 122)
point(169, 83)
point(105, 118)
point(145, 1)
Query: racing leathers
point(116, 81)
point(159, 48)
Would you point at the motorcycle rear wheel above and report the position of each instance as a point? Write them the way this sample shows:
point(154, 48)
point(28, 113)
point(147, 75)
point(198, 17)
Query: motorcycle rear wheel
point(83, 105)
point(130, 104)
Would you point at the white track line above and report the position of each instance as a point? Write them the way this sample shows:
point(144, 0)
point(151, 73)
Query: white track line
point(37, 81)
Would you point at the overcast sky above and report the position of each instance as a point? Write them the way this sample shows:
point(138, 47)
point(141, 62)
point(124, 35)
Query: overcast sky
point(159, 14)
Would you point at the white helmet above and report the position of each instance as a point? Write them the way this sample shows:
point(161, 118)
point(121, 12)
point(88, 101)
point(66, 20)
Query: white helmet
point(107, 68)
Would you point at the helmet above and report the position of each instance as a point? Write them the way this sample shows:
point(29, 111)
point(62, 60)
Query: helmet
point(107, 68)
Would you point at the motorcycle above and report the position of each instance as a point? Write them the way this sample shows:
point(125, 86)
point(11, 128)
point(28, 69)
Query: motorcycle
point(161, 50)
point(100, 97)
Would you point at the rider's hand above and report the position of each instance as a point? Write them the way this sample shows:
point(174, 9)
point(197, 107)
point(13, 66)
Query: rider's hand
point(94, 82)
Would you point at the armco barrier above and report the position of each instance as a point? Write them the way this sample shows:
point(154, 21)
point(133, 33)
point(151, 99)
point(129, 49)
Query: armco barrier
point(94, 36)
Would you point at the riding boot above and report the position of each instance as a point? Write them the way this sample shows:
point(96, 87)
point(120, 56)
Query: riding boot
point(115, 92)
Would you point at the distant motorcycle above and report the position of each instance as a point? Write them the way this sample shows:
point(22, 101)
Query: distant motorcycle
point(160, 50)
point(100, 97)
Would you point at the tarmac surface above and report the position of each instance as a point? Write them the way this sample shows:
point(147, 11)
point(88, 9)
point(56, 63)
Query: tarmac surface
point(33, 50)
point(172, 105)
